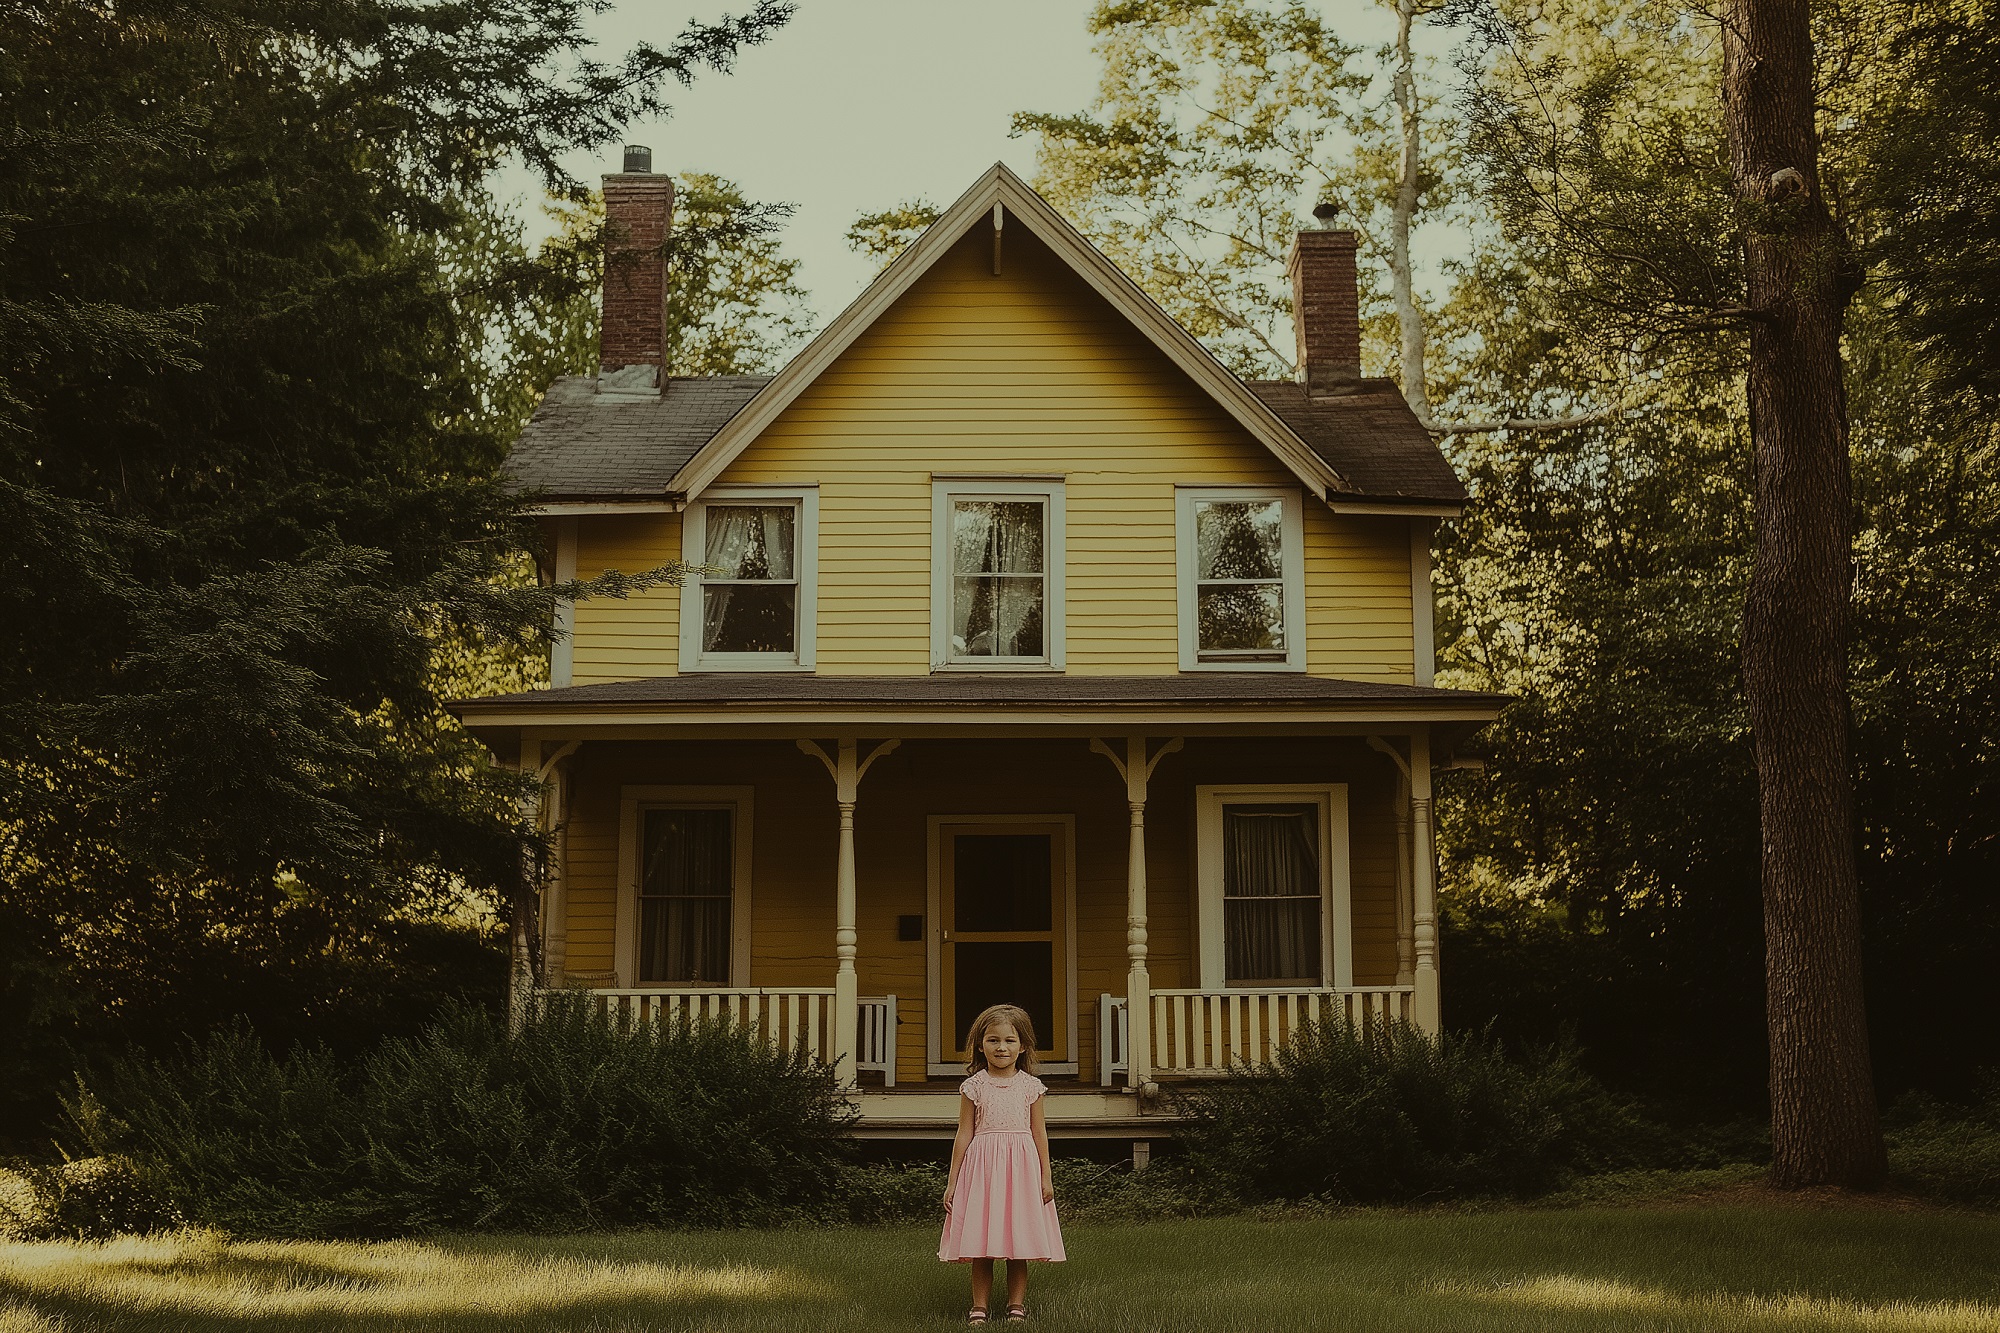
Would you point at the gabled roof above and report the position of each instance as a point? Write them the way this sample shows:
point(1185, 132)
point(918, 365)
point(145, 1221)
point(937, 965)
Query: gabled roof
point(1366, 448)
point(1020, 207)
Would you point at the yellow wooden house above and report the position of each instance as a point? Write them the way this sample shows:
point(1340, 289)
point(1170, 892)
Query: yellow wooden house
point(1037, 658)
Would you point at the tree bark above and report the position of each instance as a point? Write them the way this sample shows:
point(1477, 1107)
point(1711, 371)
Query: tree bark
point(1824, 1124)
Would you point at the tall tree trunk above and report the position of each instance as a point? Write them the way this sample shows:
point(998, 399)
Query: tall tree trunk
point(1824, 1125)
point(1409, 165)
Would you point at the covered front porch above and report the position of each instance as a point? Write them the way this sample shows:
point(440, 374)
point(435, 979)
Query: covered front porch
point(1170, 886)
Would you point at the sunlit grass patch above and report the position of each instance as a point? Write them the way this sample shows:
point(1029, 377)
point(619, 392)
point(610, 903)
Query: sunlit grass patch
point(202, 1277)
point(1571, 1294)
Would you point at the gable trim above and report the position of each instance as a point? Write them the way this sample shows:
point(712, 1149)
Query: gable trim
point(1001, 187)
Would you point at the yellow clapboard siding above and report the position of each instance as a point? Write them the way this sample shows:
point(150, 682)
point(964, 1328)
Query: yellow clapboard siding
point(1025, 373)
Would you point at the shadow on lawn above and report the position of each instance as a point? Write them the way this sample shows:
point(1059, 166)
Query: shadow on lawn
point(195, 1284)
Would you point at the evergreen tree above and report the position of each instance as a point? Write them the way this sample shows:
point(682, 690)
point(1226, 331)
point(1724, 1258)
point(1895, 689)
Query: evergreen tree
point(248, 457)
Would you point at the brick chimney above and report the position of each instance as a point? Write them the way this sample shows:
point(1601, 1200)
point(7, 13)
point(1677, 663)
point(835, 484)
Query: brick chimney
point(638, 216)
point(1326, 307)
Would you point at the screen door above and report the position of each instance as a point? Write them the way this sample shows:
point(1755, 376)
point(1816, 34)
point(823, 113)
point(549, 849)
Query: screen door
point(1002, 907)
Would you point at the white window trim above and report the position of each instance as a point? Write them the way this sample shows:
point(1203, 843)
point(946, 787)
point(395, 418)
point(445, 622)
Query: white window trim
point(1336, 912)
point(1294, 561)
point(631, 802)
point(805, 557)
point(1050, 494)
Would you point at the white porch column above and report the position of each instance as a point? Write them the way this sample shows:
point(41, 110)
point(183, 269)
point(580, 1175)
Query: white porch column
point(1137, 770)
point(847, 769)
point(1405, 855)
point(555, 900)
point(1425, 1005)
point(538, 895)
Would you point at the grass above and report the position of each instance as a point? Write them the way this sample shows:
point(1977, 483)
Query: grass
point(1745, 1263)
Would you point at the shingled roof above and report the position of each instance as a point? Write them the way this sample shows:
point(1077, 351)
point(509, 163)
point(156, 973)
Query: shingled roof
point(1371, 437)
point(586, 445)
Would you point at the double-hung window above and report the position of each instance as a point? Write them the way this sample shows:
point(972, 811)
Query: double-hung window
point(997, 575)
point(684, 908)
point(1272, 886)
point(1242, 580)
point(752, 607)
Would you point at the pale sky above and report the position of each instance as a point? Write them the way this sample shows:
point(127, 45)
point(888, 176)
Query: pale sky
point(857, 105)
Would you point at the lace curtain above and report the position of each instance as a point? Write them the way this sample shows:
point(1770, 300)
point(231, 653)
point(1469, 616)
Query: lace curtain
point(751, 607)
point(1271, 893)
point(997, 577)
point(686, 880)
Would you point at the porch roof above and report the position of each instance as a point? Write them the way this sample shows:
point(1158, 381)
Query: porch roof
point(964, 703)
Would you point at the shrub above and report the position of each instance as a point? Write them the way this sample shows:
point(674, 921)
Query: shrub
point(1946, 1150)
point(571, 1123)
point(93, 1198)
point(1396, 1116)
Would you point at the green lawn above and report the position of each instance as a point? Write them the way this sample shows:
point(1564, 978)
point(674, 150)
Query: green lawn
point(1710, 1268)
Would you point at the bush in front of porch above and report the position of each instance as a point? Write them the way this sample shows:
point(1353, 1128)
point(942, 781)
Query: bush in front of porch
point(570, 1123)
point(1393, 1116)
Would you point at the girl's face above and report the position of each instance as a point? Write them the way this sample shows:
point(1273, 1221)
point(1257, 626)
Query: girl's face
point(1001, 1045)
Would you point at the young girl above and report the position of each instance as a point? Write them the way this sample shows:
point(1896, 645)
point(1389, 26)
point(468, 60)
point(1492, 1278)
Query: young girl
point(1000, 1202)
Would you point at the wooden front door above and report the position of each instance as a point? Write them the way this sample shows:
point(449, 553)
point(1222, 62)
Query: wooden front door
point(1002, 936)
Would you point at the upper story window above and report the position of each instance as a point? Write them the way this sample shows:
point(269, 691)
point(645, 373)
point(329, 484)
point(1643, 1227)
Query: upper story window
point(1242, 580)
point(755, 608)
point(997, 581)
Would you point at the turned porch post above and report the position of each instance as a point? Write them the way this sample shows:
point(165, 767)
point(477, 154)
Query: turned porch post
point(847, 769)
point(1137, 770)
point(1425, 1009)
point(1406, 952)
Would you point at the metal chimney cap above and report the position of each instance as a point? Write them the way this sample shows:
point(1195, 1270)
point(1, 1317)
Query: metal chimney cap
point(638, 158)
point(1325, 211)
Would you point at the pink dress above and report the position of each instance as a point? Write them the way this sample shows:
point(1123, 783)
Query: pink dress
point(996, 1207)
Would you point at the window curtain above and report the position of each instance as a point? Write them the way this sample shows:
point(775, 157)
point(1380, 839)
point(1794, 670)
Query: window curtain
point(998, 576)
point(1271, 893)
point(686, 881)
point(753, 543)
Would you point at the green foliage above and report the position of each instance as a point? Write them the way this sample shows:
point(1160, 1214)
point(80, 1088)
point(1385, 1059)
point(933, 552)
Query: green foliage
point(1947, 1150)
point(1393, 1116)
point(251, 417)
point(887, 234)
point(93, 1198)
point(569, 1124)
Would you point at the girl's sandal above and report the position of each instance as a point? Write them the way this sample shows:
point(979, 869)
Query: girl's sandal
point(976, 1315)
point(1017, 1314)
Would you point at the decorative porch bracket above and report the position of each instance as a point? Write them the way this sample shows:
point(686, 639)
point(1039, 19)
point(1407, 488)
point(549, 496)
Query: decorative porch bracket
point(1426, 1009)
point(847, 768)
point(1137, 770)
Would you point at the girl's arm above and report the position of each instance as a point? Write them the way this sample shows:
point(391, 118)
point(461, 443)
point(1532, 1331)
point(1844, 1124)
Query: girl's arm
point(964, 1136)
point(1041, 1127)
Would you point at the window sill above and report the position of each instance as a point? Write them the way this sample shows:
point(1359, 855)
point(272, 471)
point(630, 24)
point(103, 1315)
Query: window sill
point(1296, 668)
point(991, 668)
point(784, 667)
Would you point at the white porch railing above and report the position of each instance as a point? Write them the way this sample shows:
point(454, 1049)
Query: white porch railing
point(1197, 1032)
point(783, 1016)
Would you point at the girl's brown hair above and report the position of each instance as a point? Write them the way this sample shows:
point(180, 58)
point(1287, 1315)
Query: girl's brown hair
point(1015, 1017)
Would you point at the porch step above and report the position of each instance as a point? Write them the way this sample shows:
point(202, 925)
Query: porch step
point(1072, 1114)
